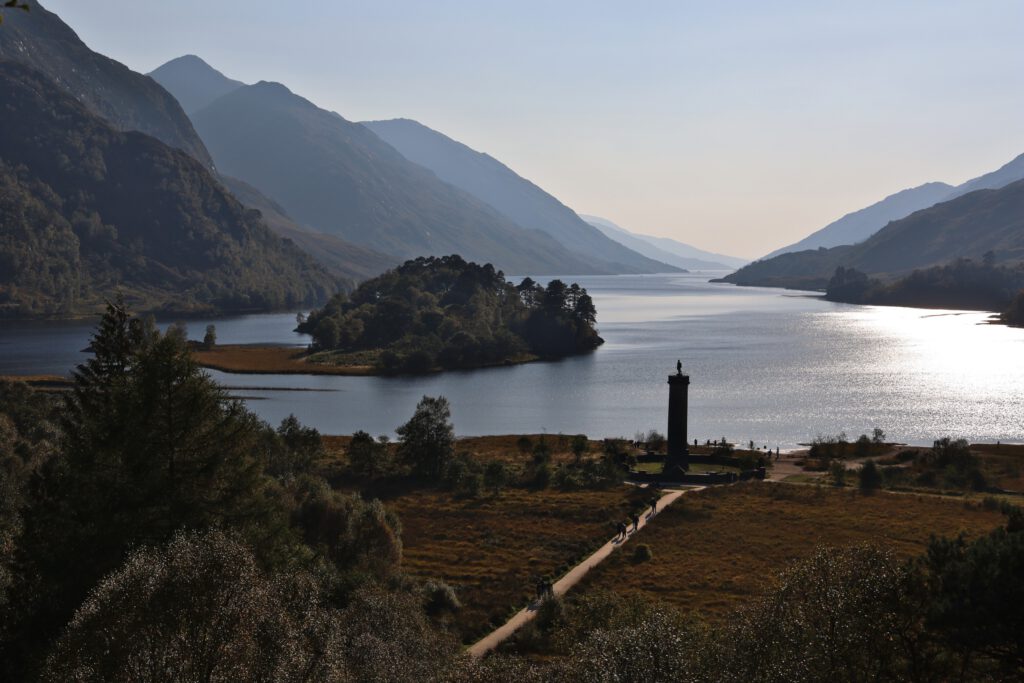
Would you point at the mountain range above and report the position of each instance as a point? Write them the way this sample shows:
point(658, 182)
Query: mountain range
point(396, 187)
point(340, 178)
point(983, 225)
point(490, 181)
point(665, 249)
point(859, 225)
point(88, 212)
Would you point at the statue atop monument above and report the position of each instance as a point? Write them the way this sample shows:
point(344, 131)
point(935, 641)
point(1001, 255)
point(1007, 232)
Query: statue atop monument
point(679, 367)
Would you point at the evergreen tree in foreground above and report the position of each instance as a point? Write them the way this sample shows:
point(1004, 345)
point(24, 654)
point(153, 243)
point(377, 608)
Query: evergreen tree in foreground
point(151, 445)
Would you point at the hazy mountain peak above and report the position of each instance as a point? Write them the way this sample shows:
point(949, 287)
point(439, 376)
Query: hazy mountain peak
point(188, 61)
point(857, 226)
point(193, 82)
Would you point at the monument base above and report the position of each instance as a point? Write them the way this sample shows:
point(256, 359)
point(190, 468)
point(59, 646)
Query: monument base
point(676, 463)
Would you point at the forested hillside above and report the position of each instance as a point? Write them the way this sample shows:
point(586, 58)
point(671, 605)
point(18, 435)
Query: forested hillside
point(87, 211)
point(962, 284)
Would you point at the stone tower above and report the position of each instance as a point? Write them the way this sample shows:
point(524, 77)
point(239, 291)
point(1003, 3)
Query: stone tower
point(678, 450)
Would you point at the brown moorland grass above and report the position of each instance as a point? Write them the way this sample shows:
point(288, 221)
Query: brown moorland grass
point(262, 359)
point(493, 549)
point(716, 548)
point(269, 360)
point(481, 448)
point(46, 383)
point(1003, 465)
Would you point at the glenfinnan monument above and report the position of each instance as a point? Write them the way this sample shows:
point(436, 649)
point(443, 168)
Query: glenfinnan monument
point(678, 452)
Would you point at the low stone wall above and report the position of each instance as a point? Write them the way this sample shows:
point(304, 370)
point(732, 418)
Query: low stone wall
point(702, 479)
point(720, 460)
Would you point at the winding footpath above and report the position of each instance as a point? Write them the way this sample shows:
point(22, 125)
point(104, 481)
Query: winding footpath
point(499, 635)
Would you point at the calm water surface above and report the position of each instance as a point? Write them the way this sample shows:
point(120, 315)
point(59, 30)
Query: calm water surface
point(773, 366)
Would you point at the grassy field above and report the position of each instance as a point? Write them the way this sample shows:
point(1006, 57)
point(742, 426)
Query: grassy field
point(493, 550)
point(715, 548)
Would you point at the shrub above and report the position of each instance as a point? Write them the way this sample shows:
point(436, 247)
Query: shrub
point(580, 445)
point(870, 477)
point(723, 448)
point(566, 479)
point(471, 485)
point(440, 597)
point(495, 476)
point(551, 612)
point(642, 553)
point(837, 471)
point(541, 476)
point(749, 460)
point(541, 453)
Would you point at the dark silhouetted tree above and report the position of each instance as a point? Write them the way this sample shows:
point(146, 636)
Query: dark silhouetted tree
point(870, 477)
point(427, 440)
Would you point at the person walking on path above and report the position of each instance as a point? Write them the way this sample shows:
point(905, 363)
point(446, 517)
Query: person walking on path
point(654, 507)
point(636, 522)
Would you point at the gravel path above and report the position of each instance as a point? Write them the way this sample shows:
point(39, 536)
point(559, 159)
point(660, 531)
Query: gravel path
point(499, 635)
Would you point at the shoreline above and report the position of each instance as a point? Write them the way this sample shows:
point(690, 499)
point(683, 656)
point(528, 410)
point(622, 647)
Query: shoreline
point(254, 359)
point(994, 317)
point(265, 359)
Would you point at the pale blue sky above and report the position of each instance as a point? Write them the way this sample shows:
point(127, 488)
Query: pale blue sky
point(736, 126)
